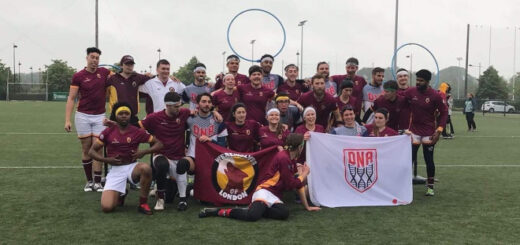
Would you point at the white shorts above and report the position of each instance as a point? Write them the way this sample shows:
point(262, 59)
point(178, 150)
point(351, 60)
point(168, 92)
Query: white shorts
point(117, 177)
point(173, 169)
point(417, 139)
point(266, 197)
point(88, 125)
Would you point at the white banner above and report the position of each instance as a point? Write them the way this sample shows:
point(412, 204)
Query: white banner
point(348, 171)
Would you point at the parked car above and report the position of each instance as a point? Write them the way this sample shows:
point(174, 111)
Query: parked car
point(497, 106)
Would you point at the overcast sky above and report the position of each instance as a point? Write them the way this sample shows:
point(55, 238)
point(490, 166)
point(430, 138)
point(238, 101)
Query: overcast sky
point(336, 30)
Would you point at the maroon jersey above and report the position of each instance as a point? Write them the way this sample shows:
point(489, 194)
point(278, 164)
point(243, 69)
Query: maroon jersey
point(239, 80)
point(122, 89)
point(280, 175)
point(294, 92)
point(386, 132)
point(357, 91)
point(268, 138)
point(323, 108)
point(91, 87)
point(351, 101)
point(123, 145)
point(255, 100)
point(423, 106)
point(223, 102)
point(169, 130)
point(394, 110)
point(243, 138)
point(404, 118)
point(302, 130)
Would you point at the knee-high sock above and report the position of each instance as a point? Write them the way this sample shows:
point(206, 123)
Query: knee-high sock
point(415, 149)
point(182, 183)
point(162, 167)
point(87, 167)
point(430, 165)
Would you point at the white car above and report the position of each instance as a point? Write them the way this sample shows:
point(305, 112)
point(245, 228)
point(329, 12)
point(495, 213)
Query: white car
point(497, 106)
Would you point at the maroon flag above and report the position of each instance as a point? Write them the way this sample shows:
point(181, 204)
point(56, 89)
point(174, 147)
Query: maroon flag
point(223, 176)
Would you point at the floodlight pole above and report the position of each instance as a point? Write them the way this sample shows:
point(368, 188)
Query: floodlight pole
point(97, 28)
point(252, 51)
point(466, 68)
point(395, 30)
point(301, 48)
point(223, 61)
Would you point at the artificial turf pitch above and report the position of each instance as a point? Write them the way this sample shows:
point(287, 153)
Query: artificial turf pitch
point(476, 199)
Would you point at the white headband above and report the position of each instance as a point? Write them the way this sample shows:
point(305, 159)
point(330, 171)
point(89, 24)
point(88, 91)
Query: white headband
point(267, 58)
point(172, 103)
point(307, 109)
point(402, 73)
point(199, 68)
point(228, 75)
point(232, 59)
point(272, 110)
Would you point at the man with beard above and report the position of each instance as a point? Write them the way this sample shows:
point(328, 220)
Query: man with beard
point(122, 144)
point(271, 81)
point(232, 63)
point(199, 86)
point(331, 87)
point(255, 96)
point(359, 82)
point(372, 91)
point(425, 103)
point(322, 102)
point(292, 86)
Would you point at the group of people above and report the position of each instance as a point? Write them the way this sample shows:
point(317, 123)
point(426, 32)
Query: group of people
point(244, 113)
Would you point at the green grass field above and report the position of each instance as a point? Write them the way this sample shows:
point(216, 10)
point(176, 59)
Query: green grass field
point(476, 200)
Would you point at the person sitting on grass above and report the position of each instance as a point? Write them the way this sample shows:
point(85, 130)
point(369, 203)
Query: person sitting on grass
point(122, 144)
point(266, 200)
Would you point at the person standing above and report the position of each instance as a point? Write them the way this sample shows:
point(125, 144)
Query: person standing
point(469, 111)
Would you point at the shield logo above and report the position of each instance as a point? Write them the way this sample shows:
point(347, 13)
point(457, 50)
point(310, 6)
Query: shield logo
point(360, 168)
point(128, 139)
point(427, 100)
point(134, 84)
point(234, 175)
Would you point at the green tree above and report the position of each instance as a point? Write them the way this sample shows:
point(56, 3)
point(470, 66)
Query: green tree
point(491, 85)
point(5, 73)
point(185, 72)
point(60, 76)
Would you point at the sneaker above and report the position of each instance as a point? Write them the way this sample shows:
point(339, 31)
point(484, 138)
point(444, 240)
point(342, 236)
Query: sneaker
point(97, 187)
point(145, 209)
point(88, 187)
point(207, 212)
point(430, 192)
point(159, 206)
point(134, 187)
point(153, 191)
point(182, 206)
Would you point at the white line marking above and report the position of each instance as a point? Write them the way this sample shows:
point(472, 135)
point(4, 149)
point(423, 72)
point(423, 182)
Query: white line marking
point(441, 166)
point(489, 136)
point(475, 165)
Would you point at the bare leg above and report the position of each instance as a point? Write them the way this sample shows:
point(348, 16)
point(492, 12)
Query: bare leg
point(109, 200)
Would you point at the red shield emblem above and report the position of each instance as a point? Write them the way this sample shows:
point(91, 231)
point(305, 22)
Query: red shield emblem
point(360, 168)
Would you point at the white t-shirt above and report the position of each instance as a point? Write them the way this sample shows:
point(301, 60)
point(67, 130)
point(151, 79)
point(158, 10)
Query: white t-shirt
point(157, 90)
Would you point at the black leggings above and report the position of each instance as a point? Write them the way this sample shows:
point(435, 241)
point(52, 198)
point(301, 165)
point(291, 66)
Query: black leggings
point(428, 158)
point(258, 210)
point(448, 122)
point(471, 122)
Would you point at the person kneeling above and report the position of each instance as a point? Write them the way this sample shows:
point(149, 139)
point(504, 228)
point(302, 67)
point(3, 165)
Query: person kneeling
point(122, 144)
point(266, 200)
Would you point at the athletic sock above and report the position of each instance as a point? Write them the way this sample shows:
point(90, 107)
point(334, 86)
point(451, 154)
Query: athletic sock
point(182, 183)
point(160, 194)
point(431, 182)
point(97, 176)
point(143, 200)
point(224, 212)
point(87, 167)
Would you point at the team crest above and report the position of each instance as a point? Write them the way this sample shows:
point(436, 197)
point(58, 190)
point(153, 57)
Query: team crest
point(248, 132)
point(134, 84)
point(261, 94)
point(98, 75)
point(357, 82)
point(360, 168)
point(178, 120)
point(234, 175)
point(427, 100)
point(280, 137)
point(128, 139)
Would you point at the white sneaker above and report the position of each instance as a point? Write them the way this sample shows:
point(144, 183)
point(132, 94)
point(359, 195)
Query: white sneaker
point(159, 206)
point(98, 187)
point(88, 187)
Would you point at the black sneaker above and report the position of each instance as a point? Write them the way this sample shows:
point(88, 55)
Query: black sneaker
point(182, 206)
point(207, 212)
point(145, 209)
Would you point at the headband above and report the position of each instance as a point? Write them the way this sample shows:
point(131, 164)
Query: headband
point(232, 59)
point(122, 108)
point(272, 110)
point(282, 98)
point(173, 103)
point(267, 58)
point(402, 73)
point(199, 68)
point(307, 109)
